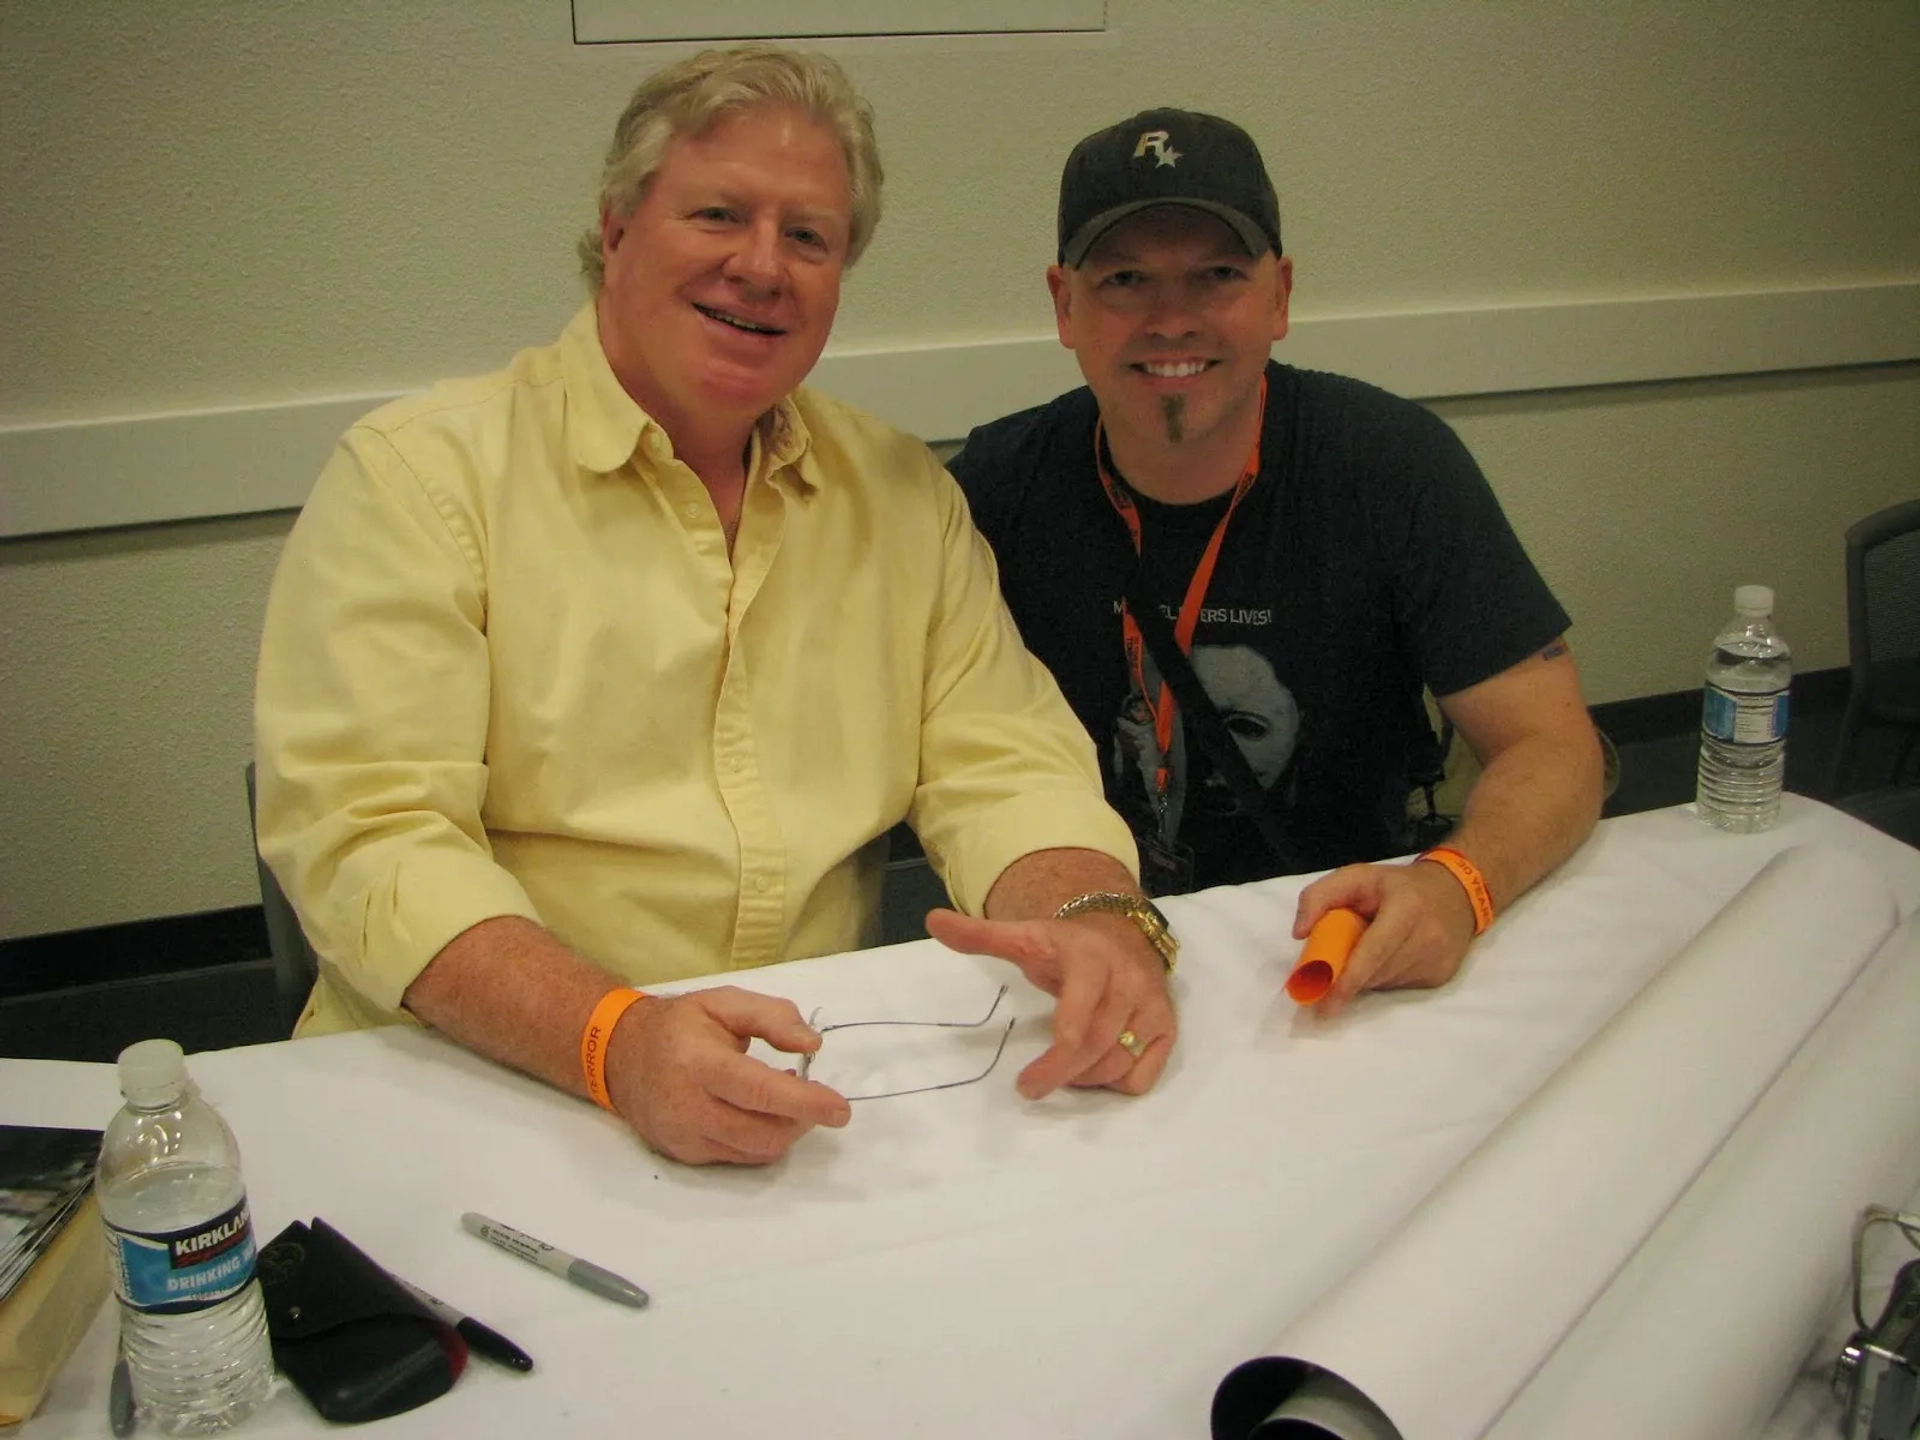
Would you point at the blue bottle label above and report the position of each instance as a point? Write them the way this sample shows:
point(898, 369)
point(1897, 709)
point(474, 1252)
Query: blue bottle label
point(1744, 719)
point(183, 1270)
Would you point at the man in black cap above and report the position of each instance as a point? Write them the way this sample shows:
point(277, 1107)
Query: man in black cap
point(1244, 575)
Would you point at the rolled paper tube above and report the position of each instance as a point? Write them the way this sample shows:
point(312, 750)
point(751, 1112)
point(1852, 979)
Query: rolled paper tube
point(1325, 955)
point(1469, 1297)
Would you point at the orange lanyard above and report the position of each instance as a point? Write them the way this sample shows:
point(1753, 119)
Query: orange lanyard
point(1164, 708)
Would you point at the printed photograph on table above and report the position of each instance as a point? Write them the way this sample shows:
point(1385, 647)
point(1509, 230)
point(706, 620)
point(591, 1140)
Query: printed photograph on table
point(44, 1175)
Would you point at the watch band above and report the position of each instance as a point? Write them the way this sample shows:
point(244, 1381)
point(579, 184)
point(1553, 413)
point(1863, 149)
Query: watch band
point(1141, 911)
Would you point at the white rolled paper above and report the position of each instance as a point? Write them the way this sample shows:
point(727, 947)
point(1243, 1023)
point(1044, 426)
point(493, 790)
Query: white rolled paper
point(1456, 1312)
point(1714, 1314)
point(1326, 1406)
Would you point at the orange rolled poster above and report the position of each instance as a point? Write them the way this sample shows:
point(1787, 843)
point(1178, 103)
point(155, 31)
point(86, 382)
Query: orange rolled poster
point(1325, 954)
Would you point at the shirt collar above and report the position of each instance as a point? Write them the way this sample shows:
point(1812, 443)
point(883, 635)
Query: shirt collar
point(784, 441)
point(606, 425)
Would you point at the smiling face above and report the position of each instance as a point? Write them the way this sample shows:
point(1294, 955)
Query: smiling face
point(721, 285)
point(1171, 320)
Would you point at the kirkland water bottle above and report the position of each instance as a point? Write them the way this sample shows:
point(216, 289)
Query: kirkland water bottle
point(1743, 720)
point(192, 1322)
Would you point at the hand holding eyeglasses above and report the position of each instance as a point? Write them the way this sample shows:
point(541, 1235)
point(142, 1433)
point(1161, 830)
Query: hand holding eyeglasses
point(678, 1073)
point(1109, 987)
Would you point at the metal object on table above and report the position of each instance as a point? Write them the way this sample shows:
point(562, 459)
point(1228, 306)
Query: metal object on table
point(1877, 1377)
point(805, 1068)
point(122, 1416)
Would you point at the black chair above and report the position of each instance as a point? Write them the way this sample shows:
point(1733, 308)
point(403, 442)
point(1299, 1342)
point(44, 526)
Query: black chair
point(295, 966)
point(1883, 635)
point(908, 889)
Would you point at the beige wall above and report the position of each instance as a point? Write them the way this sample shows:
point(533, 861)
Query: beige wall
point(210, 204)
point(126, 685)
point(1644, 505)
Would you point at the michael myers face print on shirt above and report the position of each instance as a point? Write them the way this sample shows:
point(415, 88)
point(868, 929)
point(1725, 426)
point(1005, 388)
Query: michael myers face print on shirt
point(1260, 714)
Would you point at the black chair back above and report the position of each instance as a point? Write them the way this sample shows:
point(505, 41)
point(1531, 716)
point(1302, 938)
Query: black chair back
point(1883, 634)
point(295, 966)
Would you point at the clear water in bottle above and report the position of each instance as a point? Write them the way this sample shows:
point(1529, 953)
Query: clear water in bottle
point(1743, 722)
point(180, 1239)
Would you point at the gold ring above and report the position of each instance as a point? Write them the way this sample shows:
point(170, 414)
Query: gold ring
point(1132, 1044)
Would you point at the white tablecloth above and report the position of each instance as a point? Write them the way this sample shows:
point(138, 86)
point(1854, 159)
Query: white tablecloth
point(963, 1263)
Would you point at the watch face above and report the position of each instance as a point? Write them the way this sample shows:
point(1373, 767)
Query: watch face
point(1144, 914)
point(1159, 934)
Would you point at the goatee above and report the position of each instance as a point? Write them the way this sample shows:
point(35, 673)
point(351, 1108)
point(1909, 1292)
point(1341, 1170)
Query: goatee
point(1173, 409)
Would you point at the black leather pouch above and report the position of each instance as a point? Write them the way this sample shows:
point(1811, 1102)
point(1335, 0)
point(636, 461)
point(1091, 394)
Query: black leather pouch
point(349, 1338)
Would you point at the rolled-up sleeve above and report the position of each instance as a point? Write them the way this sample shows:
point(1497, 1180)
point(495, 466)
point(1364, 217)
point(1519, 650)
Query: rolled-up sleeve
point(1005, 769)
point(370, 723)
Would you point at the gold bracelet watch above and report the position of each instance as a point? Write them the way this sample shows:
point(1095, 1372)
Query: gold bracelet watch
point(1141, 911)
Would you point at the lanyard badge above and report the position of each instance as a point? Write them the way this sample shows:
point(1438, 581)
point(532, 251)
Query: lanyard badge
point(1162, 704)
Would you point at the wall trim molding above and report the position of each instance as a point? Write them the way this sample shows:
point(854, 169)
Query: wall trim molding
point(248, 459)
point(1675, 713)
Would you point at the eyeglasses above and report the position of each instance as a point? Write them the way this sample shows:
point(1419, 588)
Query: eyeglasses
point(1907, 1225)
point(813, 1020)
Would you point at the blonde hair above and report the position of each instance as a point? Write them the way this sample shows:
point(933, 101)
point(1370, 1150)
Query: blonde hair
point(691, 97)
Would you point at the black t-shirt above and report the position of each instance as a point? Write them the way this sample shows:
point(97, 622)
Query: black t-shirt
point(1369, 559)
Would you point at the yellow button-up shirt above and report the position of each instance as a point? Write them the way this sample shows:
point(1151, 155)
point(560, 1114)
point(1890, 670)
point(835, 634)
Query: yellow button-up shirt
point(509, 668)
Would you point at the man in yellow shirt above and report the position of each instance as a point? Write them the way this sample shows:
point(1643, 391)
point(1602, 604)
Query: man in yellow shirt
point(616, 666)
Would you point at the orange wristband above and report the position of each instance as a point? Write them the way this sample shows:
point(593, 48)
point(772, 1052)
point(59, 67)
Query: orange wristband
point(1471, 880)
point(593, 1041)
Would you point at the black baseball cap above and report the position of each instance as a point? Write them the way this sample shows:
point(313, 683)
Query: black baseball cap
point(1167, 157)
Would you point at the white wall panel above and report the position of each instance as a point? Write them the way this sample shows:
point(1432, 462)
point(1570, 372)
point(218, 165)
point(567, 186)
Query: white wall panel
point(194, 464)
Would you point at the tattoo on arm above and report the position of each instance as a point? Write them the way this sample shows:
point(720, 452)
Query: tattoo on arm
point(1554, 651)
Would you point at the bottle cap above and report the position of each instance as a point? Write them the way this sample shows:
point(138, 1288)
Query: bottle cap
point(153, 1072)
point(1753, 600)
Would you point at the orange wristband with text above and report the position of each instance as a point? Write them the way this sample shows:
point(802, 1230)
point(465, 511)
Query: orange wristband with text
point(1471, 881)
point(593, 1041)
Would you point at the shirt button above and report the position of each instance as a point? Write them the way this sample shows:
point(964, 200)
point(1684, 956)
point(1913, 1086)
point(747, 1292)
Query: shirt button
point(762, 884)
point(690, 510)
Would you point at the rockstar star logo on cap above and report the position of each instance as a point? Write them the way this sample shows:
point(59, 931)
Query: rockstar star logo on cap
point(1161, 144)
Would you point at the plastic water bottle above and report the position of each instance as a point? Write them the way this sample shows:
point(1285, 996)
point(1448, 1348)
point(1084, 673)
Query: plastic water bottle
point(192, 1321)
point(1743, 721)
